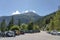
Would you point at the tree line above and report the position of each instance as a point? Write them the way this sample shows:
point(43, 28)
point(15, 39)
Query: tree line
point(55, 22)
point(19, 26)
point(50, 22)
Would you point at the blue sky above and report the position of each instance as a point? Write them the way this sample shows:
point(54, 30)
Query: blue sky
point(42, 7)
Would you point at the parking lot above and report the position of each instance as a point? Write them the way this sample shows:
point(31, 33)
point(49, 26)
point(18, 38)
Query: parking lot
point(33, 36)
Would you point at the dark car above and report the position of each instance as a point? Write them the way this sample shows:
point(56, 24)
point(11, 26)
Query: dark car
point(36, 31)
point(3, 34)
point(27, 31)
point(0, 34)
point(32, 31)
point(49, 32)
point(22, 32)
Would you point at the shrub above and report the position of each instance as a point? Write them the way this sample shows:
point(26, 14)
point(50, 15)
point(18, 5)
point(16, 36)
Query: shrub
point(15, 27)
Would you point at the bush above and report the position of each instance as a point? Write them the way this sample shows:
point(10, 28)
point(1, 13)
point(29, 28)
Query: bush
point(24, 27)
point(36, 27)
point(15, 27)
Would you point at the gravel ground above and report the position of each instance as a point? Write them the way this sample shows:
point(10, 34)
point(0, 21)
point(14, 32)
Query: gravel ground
point(33, 36)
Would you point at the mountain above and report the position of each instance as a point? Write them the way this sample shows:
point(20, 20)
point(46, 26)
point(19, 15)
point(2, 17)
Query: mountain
point(45, 19)
point(24, 17)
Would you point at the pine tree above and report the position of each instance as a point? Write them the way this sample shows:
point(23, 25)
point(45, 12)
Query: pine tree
point(30, 26)
point(3, 25)
point(11, 23)
point(19, 22)
point(51, 25)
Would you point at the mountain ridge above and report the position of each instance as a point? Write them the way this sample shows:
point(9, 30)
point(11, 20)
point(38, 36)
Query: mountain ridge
point(24, 17)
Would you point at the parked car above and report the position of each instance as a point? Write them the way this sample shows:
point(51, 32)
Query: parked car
point(49, 32)
point(21, 31)
point(32, 31)
point(36, 31)
point(17, 32)
point(58, 33)
point(54, 32)
point(10, 34)
point(0, 34)
point(26, 31)
point(5, 33)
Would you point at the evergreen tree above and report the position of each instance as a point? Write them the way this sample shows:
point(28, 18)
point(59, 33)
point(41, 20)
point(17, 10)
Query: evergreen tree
point(19, 22)
point(30, 26)
point(11, 23)
point(3, 25)
point(51, 25)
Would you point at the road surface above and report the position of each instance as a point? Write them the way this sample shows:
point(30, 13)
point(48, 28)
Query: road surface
point(34, 36)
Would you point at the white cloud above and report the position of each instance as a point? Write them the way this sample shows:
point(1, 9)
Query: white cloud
point(16, 12)
point(26, 11)
point(29, 11)
point(33, 11)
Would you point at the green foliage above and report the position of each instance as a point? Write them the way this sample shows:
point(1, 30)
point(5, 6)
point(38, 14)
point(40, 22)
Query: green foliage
point(30, 26)
point(15, 27)
point(47, 29)
point(24, 27)
point(51, 25)
point(19, 22)
point(52, 20)
point(11, 23)
point(36, 27)
point(45, 20)
point(57, 20)
point(3, 25)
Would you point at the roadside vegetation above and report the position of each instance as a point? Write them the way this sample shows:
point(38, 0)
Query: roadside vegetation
point(19, 26)
point(50, 22)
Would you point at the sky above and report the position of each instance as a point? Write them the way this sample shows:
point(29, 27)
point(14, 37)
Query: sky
point(41, 7)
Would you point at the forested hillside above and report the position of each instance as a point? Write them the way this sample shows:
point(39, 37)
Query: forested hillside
point(55, 22)
point(24, 21)
point(50, 22)
point(45, 20)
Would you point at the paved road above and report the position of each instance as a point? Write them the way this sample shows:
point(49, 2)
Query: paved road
point(34, 36)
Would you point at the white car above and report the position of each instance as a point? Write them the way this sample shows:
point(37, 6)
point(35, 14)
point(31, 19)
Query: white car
point(58, 33)
point(55, 33)
point(10, 34)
